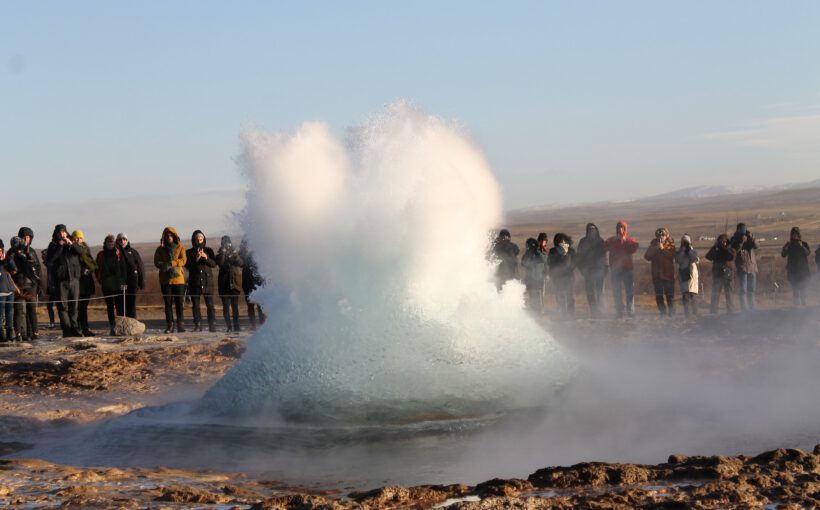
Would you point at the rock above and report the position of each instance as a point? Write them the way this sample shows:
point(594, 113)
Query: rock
point(499, 487)
point(230, 349)
point(126, 326)
point(677, 458)
point(187, 494)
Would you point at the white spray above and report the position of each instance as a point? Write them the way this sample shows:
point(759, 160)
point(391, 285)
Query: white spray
point(381, 302)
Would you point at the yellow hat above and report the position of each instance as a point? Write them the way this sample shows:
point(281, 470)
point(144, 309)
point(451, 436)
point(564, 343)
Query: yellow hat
point(78, 233)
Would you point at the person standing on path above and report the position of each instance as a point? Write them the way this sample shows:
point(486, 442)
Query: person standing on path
point(134, 274)
point(170, 258)
point(621, 247)
point(796, 252)
point(592, 265)
point(201, 283)
point(661, 253)
point(746, 247)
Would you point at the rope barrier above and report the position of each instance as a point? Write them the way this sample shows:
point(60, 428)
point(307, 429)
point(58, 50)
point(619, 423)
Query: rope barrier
point(96, 298)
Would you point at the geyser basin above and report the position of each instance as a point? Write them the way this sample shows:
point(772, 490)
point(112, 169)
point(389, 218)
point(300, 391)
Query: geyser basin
point(381, 302)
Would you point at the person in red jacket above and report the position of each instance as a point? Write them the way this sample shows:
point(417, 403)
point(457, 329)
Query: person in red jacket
point(621, 247)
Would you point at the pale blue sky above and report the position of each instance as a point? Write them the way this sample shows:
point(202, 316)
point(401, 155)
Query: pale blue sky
point(571, 101)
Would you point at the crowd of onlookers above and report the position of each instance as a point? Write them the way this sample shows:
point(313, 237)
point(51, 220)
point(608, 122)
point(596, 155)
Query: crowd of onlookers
point(67, 275)
point(733, 258)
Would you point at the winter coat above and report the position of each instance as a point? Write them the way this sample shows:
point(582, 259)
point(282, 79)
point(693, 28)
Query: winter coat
point(89, 267)
point(111, 271)
point(662, 258)
point(535, 268)
point(722, 258)
point(620, 251)
point(817, 258)
point(688, 270)
point(746, 260)
point(797, 260)
point(251, 279)
point(134, 268)
point(506, 252)
point(230, 271)
point(200, 271)
point(28, 269)
point(171, 265)
point(7, 267)
point(561, 265)
point(591, 255)
point(63, 262)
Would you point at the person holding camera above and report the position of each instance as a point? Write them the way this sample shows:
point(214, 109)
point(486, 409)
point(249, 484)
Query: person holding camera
point(87, 287)
point(201, 261)
point(27, 279)
point(170, 258)
point(134, 274)
point(722, 256)
point(621, 247)
point(687, 260)
point(505, 252)
point(7, 290)
point(534, 262)
point(661, 253)
point(111, 273)
point(796, 252)
point(63, 260)
point(561, 264)
point(746, 264)
point(230, 282)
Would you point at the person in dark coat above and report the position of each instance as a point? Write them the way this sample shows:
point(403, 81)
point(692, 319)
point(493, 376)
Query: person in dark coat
point(7, 267)
point(506, 253)
point(201, 261)
point(746, 264)
point(230, 281)
point(134, 274)
point(592, 265)
point(534, 262)
point(112, 275)
point(27, 279)
point(543, 241)
point(63, 260)
point(49, 289)
point(796, 252)
point(561, 261)
point(722, 256)
point(251, 280)
point(87, 287)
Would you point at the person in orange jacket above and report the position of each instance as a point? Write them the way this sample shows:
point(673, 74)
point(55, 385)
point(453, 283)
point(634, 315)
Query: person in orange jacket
point(661, 253)
point(621, 247)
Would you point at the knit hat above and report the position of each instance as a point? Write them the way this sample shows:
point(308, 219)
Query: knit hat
point(121, 235)
point(15, 242)
point(25, 231)
point(78, 233)
point(686, 239)
point(503, 233)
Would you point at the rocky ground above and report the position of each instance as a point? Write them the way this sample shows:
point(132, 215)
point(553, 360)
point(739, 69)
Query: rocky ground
point(57, 382)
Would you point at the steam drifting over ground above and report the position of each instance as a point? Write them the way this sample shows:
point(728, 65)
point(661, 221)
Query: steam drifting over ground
point(382, 304)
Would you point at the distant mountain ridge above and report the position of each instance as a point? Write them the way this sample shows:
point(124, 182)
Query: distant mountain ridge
point(716, 191)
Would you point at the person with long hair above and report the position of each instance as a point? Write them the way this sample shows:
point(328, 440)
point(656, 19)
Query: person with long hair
point(170, 259)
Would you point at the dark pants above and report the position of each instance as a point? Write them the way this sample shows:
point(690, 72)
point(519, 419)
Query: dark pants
point(131, 302)
point(690, 305)
point(623, 279)
point(209, 308)
point(799, 291)
point(665, 289)
point(68, 292)
point(7, 317)
point(594, 284)
point(50, 310)
point(113, 302)
point(721, 283)
point(82, 307)
point(253, 309)
point(564, 295)
point(173, 295)
point(230, 307)
point(20, 319)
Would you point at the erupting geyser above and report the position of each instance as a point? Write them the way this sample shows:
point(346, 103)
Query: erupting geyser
point(381, 303)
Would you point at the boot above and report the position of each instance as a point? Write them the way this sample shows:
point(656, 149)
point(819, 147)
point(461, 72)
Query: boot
point(2, 335)
point(180, 327)
point(169, 327)
point(88, 332)
point(212, 327)
point(236, 326)
point(197, 327)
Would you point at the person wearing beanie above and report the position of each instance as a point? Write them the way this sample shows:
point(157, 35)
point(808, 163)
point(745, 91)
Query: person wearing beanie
point(111, 275)
point(230, 281)
point(170, 258)
point(687, 260)
point(796, 252)
point(7, 289)
point(27, 278)
point(505, 252)
point(661, 254)
point(87, 288)
point(201, 283)
point(561, 261)
point(746, 264)
point(722, 256)
point(621, 247)
point(63, 261)
point(534, 262)
point(134, 274)
point(592, 265)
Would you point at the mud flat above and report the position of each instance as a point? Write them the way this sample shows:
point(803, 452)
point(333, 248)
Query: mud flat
point(59, 383)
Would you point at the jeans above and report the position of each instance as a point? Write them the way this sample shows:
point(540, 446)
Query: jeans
point(131, 302)
point(7, 316)
point(209, 308)
point(746, 287)
point(665, 289)
point(594, 283)
point(113, 302)
point(230, 306)
point(690, 305)
point(721, 283)
point(623, 279)
point(172, 295)
point(68, 292)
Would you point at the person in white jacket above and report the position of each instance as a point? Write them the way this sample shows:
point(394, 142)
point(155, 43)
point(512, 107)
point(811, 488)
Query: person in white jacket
point(687, 260)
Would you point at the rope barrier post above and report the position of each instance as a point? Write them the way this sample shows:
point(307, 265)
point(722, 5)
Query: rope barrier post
point(123, 288)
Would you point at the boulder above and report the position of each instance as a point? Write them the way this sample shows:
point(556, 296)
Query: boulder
point(126, 326)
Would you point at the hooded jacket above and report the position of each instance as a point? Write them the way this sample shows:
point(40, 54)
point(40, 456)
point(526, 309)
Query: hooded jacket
point(134, 268)
point(28, 268)
point(797, 257)
point(621, 249)
point(722, 257)
point(6, 268)
point(63, 260)
point(251, 278)
point(561, 263)
point(111, 271)
point(591, 252)
point(171, 265)
point(230, 268)
point(534, 262)
point(200, 271)
point(662, 257)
